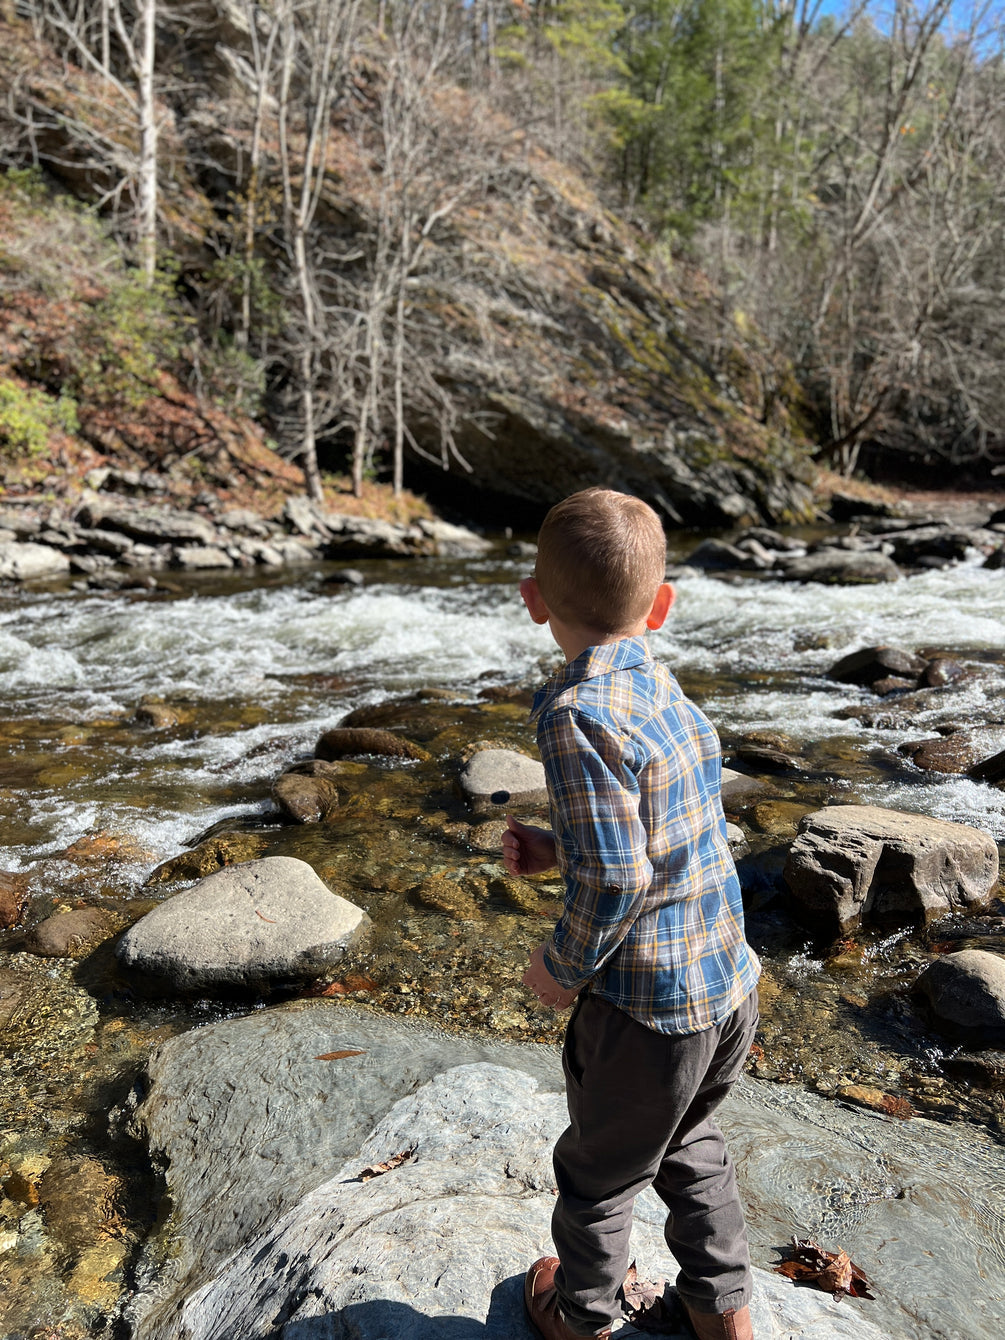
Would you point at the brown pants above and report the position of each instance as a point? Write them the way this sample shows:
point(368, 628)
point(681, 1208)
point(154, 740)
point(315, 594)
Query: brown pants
point(640, 1108)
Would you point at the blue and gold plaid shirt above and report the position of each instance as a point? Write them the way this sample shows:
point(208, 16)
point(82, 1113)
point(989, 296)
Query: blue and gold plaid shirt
point(653, 919)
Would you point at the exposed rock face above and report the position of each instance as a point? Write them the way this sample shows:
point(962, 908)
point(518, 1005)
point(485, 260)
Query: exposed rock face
point(438, 1245)
point(852, 863)
point(499, 777)
point(967, 989)
point(249, 925)
point(25, 562)
point(838, 566)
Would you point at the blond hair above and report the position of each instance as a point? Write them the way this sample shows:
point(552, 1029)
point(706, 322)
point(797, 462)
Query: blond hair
point(601, 555)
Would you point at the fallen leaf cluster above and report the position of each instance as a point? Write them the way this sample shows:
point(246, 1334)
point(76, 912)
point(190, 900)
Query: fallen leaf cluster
point(834, 1272)
point(378, 1169)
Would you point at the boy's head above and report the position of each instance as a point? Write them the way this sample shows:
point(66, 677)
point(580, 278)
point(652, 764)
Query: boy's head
point(601, 559)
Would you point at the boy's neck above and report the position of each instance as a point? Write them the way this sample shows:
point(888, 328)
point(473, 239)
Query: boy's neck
point(574, 639)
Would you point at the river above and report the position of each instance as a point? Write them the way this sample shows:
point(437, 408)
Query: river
point(255, 669)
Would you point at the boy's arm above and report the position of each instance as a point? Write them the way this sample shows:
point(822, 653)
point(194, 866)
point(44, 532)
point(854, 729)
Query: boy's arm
point(602, 842)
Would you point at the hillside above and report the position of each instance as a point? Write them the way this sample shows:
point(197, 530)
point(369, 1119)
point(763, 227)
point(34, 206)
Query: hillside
point(520, 342)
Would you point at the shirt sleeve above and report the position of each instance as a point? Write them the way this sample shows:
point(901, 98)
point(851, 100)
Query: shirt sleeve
point(601, 842)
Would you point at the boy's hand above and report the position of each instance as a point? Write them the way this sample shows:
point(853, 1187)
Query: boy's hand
point(544, 986)
point(527, 850)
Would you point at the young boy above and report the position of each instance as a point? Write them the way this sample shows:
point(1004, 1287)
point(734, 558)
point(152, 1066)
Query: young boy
point(650, 944)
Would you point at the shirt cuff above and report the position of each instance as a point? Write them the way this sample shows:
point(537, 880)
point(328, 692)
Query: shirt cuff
point(566, 976)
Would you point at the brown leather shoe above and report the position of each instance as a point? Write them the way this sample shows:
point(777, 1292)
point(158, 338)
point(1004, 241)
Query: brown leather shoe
point(731, 1325)
point(541, 1303)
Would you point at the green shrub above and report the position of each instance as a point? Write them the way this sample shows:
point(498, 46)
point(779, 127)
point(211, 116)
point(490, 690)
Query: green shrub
point(28, 418)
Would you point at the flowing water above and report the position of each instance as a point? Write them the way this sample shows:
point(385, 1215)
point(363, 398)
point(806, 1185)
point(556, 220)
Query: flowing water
point(254, 670)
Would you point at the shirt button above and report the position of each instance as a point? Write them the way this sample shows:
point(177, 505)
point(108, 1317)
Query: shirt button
point(615, 888)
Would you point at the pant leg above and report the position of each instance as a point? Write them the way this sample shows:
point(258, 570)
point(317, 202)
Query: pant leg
point(630, 1092)
point(696, 1180)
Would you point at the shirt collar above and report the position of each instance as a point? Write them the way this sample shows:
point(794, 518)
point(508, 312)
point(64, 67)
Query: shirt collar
point(624, 654)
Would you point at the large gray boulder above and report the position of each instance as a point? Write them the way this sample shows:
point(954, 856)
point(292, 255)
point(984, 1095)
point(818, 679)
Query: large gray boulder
point(26, 562)
point(272, 1233)
point(967, 989)
point(842, 567)
point(251, 925)
point(853, 863)
point(494, 778)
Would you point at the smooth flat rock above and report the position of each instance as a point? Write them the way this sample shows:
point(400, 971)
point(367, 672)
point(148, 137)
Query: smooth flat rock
point(853, 863)
point(869, 664)
point(201, 557)
point(501, 777)
point(23, 562)
point(272, 1234)
point(739, 789)
point(967, 989)
point(249, 925)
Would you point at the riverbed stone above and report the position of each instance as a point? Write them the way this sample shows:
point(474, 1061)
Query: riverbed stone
point(841, 567)
point(25, 562)
point(967, 989)
point(990, 769)
point(346, 741)
point(863, 863)
point(739, 789)
point(70, 934)
point(960, 751)
point(308, 792)
point(13, 897)
point(247, 926)
point(494, 778)
point(437, 1246)
point(212, 854)
point(200, 557)
point(869, 664)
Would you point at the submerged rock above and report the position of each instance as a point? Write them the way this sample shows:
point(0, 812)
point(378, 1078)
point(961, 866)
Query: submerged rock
point(308, 792)
point(214, 853)
point(13, 897)
point(853, 863)
point(70, 934)
point(249, 926)
point(967, 989)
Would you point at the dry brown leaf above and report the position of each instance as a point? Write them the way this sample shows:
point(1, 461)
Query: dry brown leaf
point(337, 1056)
point(834, 1272)
point(378, 1169)
point(650, 1305)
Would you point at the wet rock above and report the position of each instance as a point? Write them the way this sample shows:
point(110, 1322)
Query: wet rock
point(853, 863)
point(215, 853)
point(502, 777)
point(519, 893)
point(308, 793)
point(199, 558)
point(345, 577)
point(13, 898)
point(888, 717)
point(837, 567)
point(941, 543)
point(717, 554)
point(251, 925)
point(346, 741)
point(737, 839)
point(967, 989)
point(942, 670)
point(989, 769)
point(444, 894)
point(157, 714)
point(996, 559)
point(846, 507)
point(893, 684)
point(471, 1207)
point(359, 537)
point(767, 759)
point(70, 934)
point(960, 751)
point(870, 664)
point(739, 790)
point(24, 562)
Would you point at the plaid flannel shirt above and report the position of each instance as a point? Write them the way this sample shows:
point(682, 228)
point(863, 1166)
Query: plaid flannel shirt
point(653, 919)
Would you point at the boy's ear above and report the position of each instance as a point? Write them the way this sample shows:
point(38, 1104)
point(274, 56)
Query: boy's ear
point(534, 601)
point(665, 596)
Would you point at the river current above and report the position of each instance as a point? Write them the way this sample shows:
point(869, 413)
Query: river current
point(255, 668)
